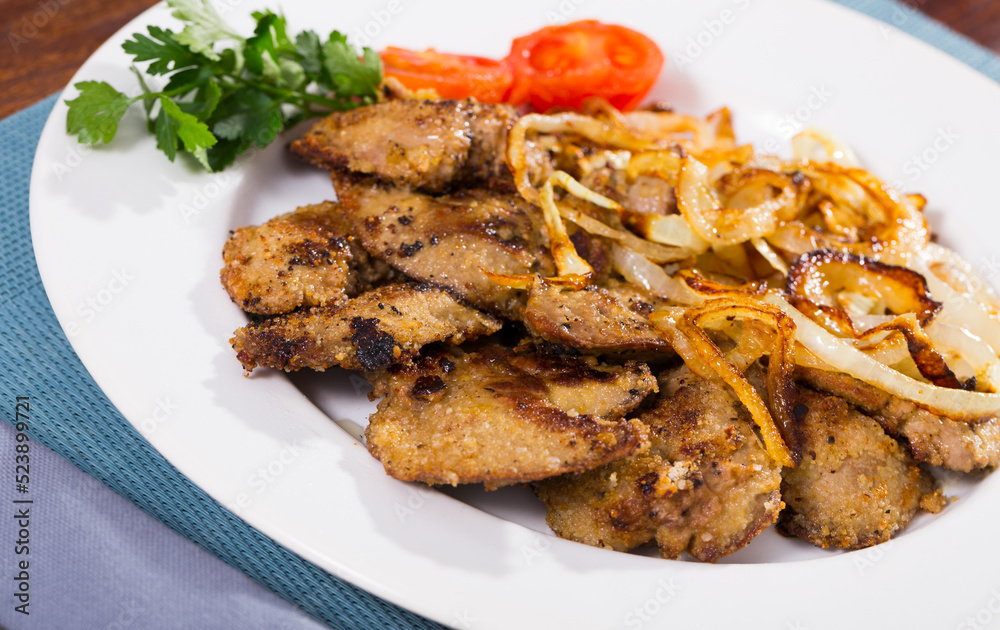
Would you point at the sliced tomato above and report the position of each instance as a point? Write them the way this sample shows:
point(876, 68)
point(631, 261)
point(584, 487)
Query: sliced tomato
point(451, 76)
point(563, 65)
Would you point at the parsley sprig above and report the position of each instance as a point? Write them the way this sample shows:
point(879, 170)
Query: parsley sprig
point(224, 92)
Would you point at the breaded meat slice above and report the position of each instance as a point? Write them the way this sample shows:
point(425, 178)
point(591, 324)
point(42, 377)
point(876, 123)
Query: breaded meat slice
point(299, 259)
point(706, 485)
point(370, 332)
point(433, 145)
point(500, 416)
point(931, 439)
point(593, 321)
point(855, 486)
point(450, 240)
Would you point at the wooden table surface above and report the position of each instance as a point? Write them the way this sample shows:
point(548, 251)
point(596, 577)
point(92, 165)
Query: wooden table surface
point(47, 40)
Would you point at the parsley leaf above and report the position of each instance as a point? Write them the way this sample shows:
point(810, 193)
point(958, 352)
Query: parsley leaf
point(251, 116)
point(193, 133)
point(166, 135)
point(94, 114)
point(204, 26)
point(310, 52)
point(163, 49)
point(225, 93)
point(346, 75)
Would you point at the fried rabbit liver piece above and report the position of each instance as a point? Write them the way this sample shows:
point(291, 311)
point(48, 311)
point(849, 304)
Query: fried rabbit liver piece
point(302, 258)
point(706, 485)
point(499, 416)
point(855, 486)
point(430, 145)
point(932, 439)
point(449, 240)
point(593, 321)
point(370, 332)
point(299, 259)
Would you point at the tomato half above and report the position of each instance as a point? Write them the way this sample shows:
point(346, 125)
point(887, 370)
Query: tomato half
point(451, 76)
point(562, 65)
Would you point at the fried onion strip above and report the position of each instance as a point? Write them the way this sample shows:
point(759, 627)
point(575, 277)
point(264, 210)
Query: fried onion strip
point(782, 439)
point(841, 355)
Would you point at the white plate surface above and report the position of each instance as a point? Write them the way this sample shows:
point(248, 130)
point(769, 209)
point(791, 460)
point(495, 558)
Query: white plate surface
point(128, 247)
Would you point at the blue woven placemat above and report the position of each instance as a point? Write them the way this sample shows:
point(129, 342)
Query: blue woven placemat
point(82, 425)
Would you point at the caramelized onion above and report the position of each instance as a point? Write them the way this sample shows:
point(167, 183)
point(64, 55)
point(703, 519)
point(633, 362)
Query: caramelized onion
point(969, 349)
point(969, 306)
point(708, 288)
point(796, 238)
point(841, 356)
point(525, 281)
point(567, 260)
point(699, 203)
point(787, 449)
point(591, 128)
point(782, 440)
point(818, 275)
point(670, 229)
point(819, 146)
point(653, 251)
point(665, 229)
point(663, 164)
point(641, 272)
point(694, 134)
point(900, 231)
point(928, 360)
point(771, 256)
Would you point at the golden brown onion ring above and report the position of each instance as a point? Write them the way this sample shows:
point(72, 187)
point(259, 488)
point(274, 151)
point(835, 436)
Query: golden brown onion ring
point(840, 355)
point(708, 288)
point(818, 275)
point(699, 203)
point(929, 361)
point(520, 162)
point(902, 230)
point(782, 439)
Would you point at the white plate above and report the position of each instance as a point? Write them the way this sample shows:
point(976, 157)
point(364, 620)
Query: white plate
point(128, 247)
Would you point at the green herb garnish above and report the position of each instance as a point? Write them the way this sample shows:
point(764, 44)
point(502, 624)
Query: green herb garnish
point(226, 93)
